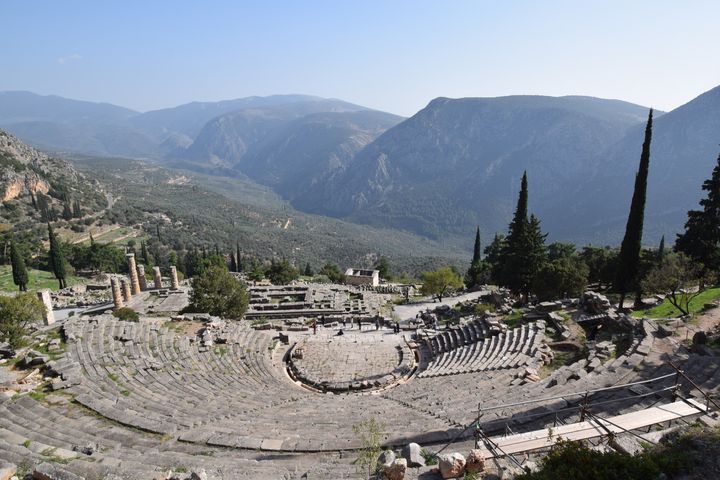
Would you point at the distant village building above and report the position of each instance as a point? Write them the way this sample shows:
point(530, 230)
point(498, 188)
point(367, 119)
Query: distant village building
point(355, 276)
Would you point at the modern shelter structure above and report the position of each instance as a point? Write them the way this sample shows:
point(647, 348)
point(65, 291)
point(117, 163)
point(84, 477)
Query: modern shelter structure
point(354, 276)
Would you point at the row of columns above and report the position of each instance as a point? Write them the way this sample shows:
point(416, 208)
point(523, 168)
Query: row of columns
point(123, 290)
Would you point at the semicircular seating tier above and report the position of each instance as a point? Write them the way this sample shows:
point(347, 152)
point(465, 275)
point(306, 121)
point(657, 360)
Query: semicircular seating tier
point(238, 394)
point(150, 377)
point(474, 347)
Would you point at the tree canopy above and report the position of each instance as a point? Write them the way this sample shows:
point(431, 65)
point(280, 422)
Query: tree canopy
point(701, 238)
point(440, 282)
point(217, 292)
point(16, 313)
point(680, 278)
point(281, 272)
point(333, 272)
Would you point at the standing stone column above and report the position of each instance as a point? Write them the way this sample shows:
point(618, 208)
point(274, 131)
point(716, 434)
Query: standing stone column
point(174, 283)
point(117, 296)
point(132, 268)
point(141, 277)
point(127, 292)
point(49, 315)
point(157, 277)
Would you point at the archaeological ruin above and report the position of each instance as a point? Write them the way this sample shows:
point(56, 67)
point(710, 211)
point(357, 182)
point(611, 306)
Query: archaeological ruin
point(277, 394)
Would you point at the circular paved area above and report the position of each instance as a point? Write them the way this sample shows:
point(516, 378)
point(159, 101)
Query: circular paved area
point(352, 361)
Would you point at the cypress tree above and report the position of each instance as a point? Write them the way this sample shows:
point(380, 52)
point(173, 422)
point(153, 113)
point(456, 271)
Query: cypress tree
point(157, 231)
point(237, 257)
point(472, 277)
point(233, 263)
point(701, 238)
point(512, 262)
point(661, 250)
point(57, 261)
point(536, 254)
point(476, 249)
point(144, 253)
point(308, 270)
point(67, 212)
point(494, 257)
point(19, 272)
point(523, 252)
point(629, 256)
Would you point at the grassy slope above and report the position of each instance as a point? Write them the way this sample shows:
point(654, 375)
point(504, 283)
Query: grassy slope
point(39, 280)
point(667, 310)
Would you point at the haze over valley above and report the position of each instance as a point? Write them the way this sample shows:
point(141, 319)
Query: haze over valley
point(451, 166)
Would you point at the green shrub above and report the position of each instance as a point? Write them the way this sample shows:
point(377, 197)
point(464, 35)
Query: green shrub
point(577, 461)
point(126, 314)
point(429, 457)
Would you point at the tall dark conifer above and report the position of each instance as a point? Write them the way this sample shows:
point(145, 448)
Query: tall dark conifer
point(629, 256)
point(535, 251)
point(661, 250)
point(233, 263)
point(513, 267)
point(701, 238)
point(238, 257)
point(144, 253)
point(476, 249)
point(57, 261)
point(67, 211)
point(478, 269)
point(19, 272)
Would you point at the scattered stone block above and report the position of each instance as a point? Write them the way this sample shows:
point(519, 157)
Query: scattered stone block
point(48, 471)
point(451, 465)
point(666, 331)
point(48, 315)
point(7, 470)
point(199, 475)
point(412, 452)
point(54, 345)
point(595, 303)
point(6, 351)
point(475, 462)
point(396, 470)
point(386, 458)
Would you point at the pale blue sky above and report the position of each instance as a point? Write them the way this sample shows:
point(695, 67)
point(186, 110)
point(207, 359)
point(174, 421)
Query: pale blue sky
point(393, 55)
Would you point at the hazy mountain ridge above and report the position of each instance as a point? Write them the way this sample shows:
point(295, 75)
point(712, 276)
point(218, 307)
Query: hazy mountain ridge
point(683, 152)
point(302, 155)
point(57, 123)
point(453, 165)
point(457, 163)
point(188, 119)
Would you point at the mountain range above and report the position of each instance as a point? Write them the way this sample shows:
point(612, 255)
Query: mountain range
point(453, 165)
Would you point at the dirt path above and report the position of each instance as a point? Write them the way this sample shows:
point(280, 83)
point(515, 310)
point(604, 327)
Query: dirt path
point(405, 312)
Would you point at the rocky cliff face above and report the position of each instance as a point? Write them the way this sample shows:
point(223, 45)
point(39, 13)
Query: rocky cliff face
point(25, 172)
point(18, 185)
